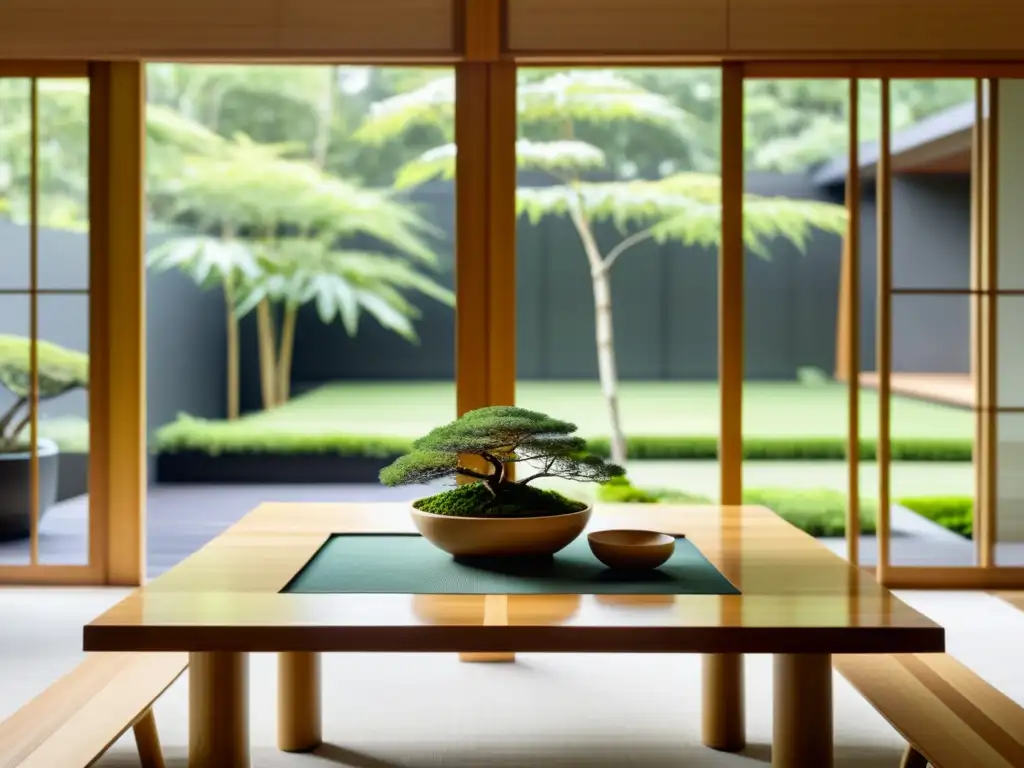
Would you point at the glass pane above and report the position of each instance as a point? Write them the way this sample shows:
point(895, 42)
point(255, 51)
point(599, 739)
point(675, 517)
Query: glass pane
point(1009, 223)
point(15, 431)
point(628, 351)
point(64, 428)
point(795, 393)
point(327, 401)
point(933, 121)
point(15, 162)
point(1009, 352)
point(1009, 506)
point(64, 184)
point(933, 423)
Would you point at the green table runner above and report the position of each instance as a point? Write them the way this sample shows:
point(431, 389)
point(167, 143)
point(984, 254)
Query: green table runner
point(409, 564)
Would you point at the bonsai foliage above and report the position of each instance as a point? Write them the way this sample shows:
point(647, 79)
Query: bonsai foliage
point(501, 436)
point(60, 370)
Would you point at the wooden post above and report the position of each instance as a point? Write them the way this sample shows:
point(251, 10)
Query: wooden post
point(485, 267)
point(884, 327)
point(851, 340)
point(723, 718)
point(117, 390)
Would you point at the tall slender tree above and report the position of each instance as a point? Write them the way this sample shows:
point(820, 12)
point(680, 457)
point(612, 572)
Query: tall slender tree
point(557, 115)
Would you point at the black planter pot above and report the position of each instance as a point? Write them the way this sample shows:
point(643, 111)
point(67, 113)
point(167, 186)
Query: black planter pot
point(15, 489)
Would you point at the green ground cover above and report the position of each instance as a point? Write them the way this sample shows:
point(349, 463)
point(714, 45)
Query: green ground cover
point(671, 420)
point(952, 512)
point(819, 511)
point(672, 426)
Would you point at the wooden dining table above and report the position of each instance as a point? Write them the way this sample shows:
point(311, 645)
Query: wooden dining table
point(797, 600)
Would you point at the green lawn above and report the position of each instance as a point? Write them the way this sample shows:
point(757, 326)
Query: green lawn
point(930, 478)
point(396, 409)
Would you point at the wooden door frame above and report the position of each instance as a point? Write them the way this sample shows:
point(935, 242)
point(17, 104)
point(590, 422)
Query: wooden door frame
point(114, 555)
point(984, 291)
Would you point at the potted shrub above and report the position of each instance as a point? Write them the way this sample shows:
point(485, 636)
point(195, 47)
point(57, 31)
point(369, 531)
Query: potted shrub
point(495, 515)
point(60, 370)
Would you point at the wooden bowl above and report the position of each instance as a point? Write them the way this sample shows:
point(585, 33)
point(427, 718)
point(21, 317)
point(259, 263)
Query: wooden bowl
point(626, 550)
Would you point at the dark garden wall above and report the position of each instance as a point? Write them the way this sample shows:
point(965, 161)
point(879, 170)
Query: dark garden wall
point(931, 250)
point(665, 307)
point(665, 299)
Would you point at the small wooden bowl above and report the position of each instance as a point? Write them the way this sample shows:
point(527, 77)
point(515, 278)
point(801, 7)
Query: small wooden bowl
point(626, 550)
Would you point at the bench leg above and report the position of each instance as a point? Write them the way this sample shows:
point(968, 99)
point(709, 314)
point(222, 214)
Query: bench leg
point(298, 702)
point(722, 710)
point(218, 704)
point(803, 711)
point(913, 759)
point(148, 741)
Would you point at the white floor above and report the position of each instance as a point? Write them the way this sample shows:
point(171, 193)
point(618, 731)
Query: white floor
point(414, 711)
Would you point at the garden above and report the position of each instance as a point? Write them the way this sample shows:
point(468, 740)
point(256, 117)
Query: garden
point(293, 197)
point(794, 445)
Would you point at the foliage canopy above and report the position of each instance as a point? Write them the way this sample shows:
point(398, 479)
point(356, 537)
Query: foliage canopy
point(500, 436)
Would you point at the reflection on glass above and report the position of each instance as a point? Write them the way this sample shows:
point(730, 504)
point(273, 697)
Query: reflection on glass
point(932, 405)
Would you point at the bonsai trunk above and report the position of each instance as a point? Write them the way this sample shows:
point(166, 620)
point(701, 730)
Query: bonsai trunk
point(606, 367)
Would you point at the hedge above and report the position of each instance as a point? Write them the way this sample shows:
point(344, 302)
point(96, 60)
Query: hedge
point(952, 512)
point(818, 512)
point(216, 437)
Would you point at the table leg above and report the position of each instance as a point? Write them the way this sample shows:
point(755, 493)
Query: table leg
point(803, 711)
point(218, 717)
point(495, 614)
point(724, 726)
point(298, 702)
point(487, 658)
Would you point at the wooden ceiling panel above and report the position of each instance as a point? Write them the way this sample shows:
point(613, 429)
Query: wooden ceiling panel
point(103, 29)
point(368, 26)
point(616, 26)
point(940, 26)
point(128, 28)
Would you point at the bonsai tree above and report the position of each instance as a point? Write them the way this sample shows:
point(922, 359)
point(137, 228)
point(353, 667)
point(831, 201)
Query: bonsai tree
point(60, 370)
point(499, 437)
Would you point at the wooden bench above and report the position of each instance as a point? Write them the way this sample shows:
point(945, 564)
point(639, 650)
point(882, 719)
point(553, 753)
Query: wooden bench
point(950, 717)
point(74, 721)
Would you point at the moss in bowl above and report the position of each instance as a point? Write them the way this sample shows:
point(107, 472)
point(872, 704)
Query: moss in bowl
point(494, 514)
